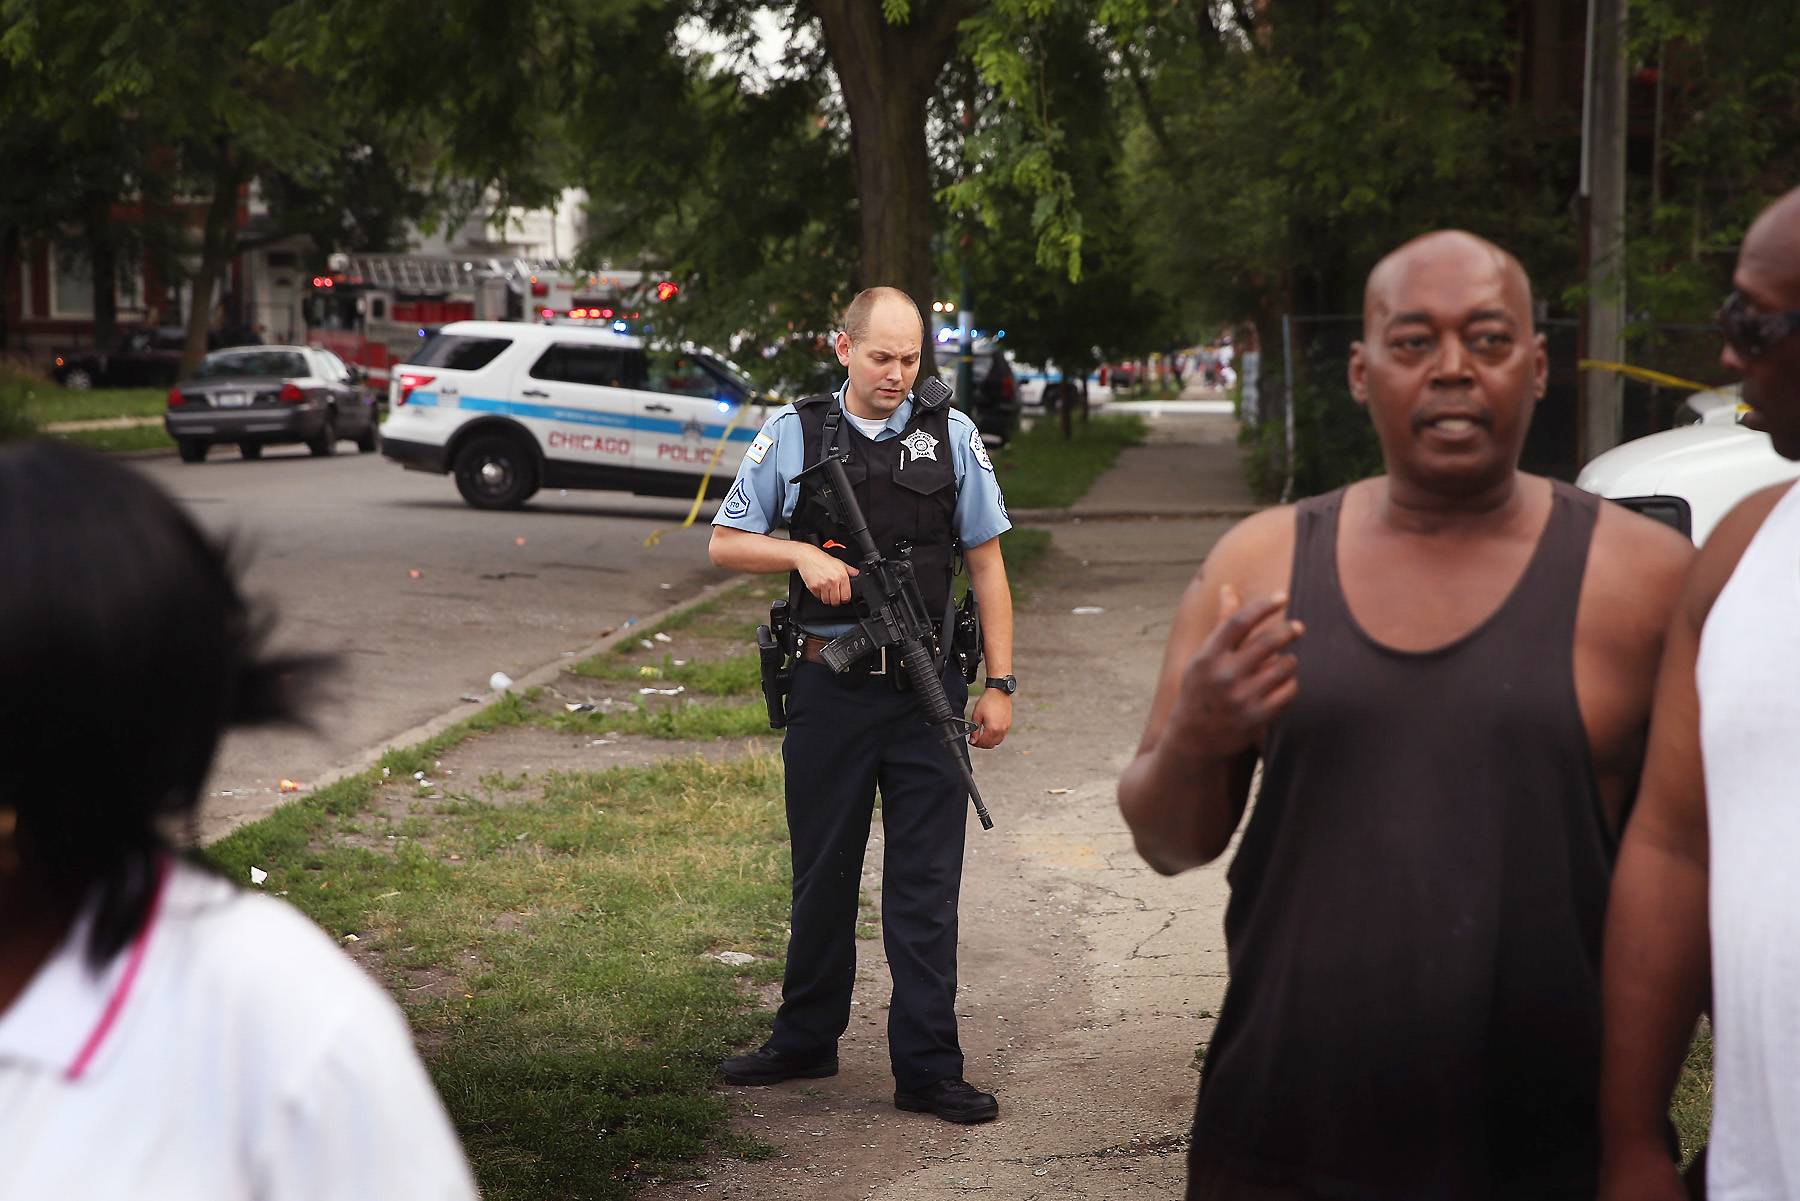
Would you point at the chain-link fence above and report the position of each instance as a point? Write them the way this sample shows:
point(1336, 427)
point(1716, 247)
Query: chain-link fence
point(1306, 435)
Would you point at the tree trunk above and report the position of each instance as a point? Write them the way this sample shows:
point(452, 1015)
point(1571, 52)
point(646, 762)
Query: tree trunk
point(12, 248)
point(218, 243)
point(103, 258)
point(887, 74)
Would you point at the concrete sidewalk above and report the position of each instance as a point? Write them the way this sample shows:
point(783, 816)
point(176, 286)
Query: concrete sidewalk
point(1189, 466)
point(98, 423)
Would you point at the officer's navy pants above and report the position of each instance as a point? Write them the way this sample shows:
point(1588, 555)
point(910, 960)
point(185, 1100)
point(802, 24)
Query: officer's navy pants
point(847, 736)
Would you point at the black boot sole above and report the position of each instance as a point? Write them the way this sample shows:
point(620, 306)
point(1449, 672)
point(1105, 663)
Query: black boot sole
point(817, 1071)
point(963, 1118)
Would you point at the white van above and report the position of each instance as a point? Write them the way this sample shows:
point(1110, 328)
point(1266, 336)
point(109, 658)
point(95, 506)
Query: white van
point(510, 407)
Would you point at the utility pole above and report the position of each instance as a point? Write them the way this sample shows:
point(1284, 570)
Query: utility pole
point(1603, 201)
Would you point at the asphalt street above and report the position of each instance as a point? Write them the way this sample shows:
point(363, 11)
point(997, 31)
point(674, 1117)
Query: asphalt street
point(329, 547)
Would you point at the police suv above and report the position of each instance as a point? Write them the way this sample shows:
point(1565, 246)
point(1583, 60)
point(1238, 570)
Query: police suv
point(509, 407)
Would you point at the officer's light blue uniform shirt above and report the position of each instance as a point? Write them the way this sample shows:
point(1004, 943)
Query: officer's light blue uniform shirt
point(763, 496)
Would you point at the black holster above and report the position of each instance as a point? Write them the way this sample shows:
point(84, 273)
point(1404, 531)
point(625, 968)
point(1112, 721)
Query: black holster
point(965, 639)
point(774, 647)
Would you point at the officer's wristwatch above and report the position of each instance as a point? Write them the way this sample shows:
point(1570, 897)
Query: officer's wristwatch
point(1006, 684)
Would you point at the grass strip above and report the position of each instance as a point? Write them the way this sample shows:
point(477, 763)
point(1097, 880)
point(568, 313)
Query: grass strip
point(48, 403)
point(1691, 1108)
point(692, 721)
point(1040, 469)
point(1024, 551)
point(735, 675)
point(550, 939)
point(284, 841)
point(136, 437)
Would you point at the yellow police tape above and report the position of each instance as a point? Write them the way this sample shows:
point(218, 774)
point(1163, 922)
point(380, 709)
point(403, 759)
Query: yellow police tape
point(1643, 373)
point(700, 496)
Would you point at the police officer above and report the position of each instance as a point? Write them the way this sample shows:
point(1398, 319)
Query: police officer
point(926, 487)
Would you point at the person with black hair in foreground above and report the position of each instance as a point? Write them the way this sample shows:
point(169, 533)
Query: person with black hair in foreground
point(162, 1033)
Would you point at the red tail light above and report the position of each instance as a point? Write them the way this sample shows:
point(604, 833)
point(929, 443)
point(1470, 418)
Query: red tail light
point(291, 393)
point(410, 381)
point(1007, 384)
point(176, 399)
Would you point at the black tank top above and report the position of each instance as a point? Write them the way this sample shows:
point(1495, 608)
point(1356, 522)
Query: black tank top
point(1416, 906)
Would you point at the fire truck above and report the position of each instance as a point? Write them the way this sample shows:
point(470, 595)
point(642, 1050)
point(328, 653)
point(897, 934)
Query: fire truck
point(372, 310)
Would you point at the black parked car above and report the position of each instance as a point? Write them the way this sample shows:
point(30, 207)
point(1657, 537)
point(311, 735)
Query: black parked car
point(995, 403)
point(254, 396)
point(141, 358)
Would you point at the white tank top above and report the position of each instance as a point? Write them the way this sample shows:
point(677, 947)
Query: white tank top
point(1748, 676)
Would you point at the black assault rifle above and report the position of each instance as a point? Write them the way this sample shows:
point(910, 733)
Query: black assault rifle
point(898, 617)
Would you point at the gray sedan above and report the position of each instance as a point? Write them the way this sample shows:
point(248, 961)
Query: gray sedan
point(256, 395)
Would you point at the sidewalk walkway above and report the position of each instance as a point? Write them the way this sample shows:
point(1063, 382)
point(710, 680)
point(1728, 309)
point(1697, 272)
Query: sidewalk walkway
point(1087, 981)
point(98, 423)
point(1189, 466)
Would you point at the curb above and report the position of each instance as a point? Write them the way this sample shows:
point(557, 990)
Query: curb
point(433, 726)
point(99, 423)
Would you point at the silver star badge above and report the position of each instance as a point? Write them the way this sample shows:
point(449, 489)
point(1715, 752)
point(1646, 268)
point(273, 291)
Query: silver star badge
point(921, 445)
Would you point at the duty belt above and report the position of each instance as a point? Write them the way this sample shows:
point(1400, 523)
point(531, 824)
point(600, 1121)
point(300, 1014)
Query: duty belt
point(880, 663)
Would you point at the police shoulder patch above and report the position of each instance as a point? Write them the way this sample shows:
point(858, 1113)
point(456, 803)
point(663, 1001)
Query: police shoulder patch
point(979, 449)
point(759, 448)
point(737, 502)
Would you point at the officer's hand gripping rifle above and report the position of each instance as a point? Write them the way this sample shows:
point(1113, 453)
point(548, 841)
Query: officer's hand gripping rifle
point(898, 618)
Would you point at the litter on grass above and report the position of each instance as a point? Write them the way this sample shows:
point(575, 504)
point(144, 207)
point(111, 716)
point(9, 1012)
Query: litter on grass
point(500, 681)
point(675, 691)
point(258, 875)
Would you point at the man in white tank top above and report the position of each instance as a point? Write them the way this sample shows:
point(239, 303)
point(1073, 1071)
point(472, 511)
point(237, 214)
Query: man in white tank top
point(1716, 832)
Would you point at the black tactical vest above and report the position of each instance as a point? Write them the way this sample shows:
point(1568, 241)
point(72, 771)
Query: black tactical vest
point(907, 489)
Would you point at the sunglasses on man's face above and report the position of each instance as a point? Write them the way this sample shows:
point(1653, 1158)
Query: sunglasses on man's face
point(1752, 332)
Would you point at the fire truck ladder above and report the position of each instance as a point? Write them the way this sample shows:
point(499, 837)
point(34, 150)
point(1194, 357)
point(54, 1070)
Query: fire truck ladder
point(429, 273)
point(414, 272)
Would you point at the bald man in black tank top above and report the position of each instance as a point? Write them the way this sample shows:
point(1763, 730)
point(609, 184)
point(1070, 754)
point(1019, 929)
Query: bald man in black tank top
point(1446, 672)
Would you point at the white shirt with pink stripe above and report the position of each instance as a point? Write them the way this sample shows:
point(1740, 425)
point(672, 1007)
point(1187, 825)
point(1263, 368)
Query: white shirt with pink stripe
point(231, 1051)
